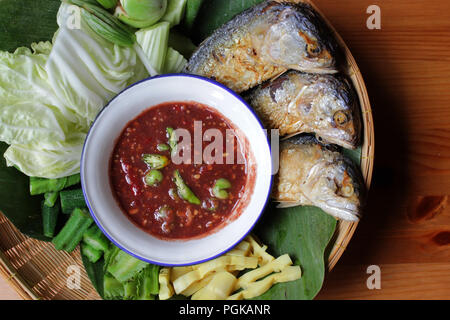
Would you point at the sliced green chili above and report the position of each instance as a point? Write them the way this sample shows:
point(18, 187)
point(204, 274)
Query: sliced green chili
point(173, 140)
point(184, 191)
point(219, 189)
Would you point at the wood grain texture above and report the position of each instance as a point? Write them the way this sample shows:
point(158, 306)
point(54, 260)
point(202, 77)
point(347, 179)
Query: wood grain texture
point(406, 228)
point(6, 292)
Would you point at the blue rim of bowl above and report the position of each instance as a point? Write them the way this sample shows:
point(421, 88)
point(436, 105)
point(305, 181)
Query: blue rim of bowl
point(218, 84)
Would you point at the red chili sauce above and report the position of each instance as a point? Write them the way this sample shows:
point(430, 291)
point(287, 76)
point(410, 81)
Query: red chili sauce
point(159, 209)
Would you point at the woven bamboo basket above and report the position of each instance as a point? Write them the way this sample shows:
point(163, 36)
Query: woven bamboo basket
point(37, 271)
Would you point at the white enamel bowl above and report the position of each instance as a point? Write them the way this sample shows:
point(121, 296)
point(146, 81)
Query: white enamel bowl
point(99, 146)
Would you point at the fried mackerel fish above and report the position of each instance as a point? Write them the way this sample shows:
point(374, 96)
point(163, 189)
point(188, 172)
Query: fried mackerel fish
point(315, 174)
point(262, 43)
point(298, 102)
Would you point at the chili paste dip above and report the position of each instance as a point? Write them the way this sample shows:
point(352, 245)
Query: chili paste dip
point(173, 185)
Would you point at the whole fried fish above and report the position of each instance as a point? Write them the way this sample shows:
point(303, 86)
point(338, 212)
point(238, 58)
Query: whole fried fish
point(263, 42)
point(298, 102)
point(314, 174)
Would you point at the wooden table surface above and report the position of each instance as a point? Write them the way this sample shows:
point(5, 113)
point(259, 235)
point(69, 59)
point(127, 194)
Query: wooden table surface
point(406, 227)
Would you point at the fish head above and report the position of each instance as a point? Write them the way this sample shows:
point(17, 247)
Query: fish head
point(334, 111)
point(338, 191)
point(298, 40)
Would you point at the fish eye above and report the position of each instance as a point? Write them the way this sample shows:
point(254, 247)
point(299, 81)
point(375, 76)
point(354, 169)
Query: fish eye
point(313, 49)
point(340, 118)
point(347, 190)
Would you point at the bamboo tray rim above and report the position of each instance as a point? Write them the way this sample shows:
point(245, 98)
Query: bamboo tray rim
point(344, 230)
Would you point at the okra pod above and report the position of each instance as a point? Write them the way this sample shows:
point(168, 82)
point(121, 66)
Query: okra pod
point(49, 218)
point(71, 199)
point(72, 232)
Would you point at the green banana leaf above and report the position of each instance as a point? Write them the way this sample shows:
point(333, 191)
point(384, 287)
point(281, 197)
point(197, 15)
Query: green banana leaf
point(95, 273)
point(304, 234)
point(25, 21)
point(214, 13)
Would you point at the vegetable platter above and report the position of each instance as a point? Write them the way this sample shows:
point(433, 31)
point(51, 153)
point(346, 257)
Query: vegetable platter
point(39, 250)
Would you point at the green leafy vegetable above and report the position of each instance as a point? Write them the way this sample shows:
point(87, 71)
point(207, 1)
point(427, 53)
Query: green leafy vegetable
point(107, 29)
point(125, 267)
point(154, 41)
point(112, 288)
point(148, 282)
point(48, 99)
point(175, 62)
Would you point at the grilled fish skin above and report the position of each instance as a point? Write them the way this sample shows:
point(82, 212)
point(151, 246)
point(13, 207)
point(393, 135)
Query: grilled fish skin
point(315, 174)
point(262, 43)
point(298, 102)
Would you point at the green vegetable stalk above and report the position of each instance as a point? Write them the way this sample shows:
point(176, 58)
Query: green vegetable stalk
point(124, 267)
point(105, 24)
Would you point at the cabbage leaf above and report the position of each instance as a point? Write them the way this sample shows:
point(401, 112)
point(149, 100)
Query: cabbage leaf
point(50, 95)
